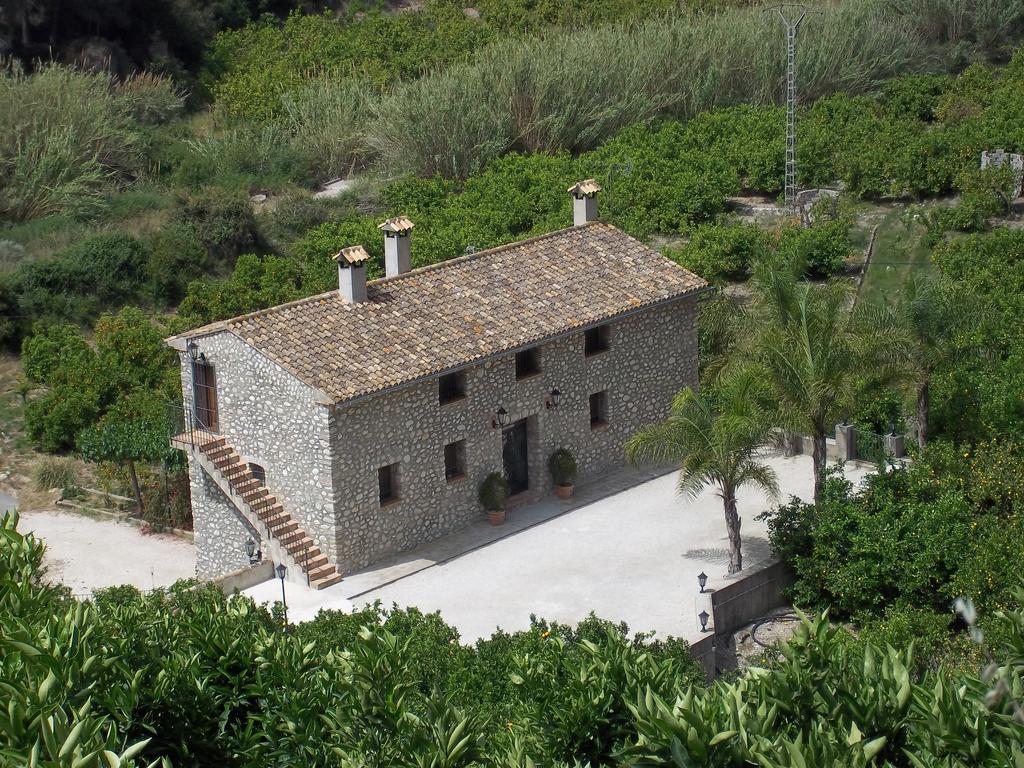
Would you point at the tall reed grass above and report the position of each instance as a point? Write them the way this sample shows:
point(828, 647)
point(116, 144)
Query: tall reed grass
point(66, 135)
point(574, 90)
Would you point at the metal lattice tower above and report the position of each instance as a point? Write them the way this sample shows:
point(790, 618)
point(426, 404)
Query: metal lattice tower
point(792, 16)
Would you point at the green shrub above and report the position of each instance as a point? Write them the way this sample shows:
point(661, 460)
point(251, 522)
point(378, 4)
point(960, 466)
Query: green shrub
point(176, 258)
point(822, 247)
point(562, 466)
point(723, 252)
point(256, 283)
point(223, 223)
point(100, 272)
point(53, 472)
point(923, 535)
point(254, 68)
point(493, 492)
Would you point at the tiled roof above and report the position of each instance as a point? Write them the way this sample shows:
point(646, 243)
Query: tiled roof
point(440, 317)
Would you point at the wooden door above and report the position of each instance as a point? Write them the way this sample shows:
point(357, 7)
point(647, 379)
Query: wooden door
point(205, 386)
point(515, 457)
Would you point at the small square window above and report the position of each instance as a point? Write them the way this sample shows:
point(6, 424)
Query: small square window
point(451, 387)
point(595, 340)
point(527, 362)
point(387, 483)
point(455, 460)
point(598, 409)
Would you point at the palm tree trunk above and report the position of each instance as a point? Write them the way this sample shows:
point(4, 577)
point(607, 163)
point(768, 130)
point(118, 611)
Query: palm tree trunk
point(135, 485)
point(922, 413)
point(818, 460)
point(732, 525)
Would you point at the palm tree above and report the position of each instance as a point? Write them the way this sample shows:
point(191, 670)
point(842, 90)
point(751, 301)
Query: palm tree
point(811, 348)
point(927, 326)
point(714, 436)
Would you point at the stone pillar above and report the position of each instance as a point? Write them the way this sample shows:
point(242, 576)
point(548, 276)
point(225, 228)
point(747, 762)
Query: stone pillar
point(846, 448)
point(893, 444)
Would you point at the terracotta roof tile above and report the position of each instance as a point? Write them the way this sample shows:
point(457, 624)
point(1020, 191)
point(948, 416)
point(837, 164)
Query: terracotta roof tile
point(456, 312)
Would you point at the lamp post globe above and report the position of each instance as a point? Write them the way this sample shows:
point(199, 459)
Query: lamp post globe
point(702, 580)
point(703, 616)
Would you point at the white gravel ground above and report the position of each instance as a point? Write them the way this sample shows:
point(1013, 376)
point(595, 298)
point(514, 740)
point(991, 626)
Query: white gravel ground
point(633, 556)
point(88, 553)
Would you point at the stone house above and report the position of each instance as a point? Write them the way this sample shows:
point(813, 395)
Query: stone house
point(346, 427)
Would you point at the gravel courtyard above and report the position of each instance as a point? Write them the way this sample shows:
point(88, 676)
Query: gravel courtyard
point(632, 556)
point(87, 553)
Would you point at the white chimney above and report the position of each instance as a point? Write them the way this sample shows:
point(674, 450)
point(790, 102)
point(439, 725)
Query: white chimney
point(584, 201)
point(397, 260)
point(352, 273)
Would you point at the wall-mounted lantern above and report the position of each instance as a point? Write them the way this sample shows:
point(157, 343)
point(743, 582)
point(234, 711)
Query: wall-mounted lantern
point(703, 616)
point(500, 418)
point(193, 351)
point(254, 552)
point(552, 399)
point(702, 580)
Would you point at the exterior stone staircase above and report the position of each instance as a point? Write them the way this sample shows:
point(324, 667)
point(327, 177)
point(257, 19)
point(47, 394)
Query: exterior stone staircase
point(263, 511)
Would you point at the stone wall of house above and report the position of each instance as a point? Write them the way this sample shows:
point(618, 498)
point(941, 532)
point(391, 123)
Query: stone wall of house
point(651, 356)
point(220, 531)
point(274, 420)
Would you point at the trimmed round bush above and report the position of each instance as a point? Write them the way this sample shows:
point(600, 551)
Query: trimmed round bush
point(494, 492)
point(562, 466)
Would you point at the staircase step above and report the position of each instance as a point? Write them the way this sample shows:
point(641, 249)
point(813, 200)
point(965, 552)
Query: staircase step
point(323, 571)
point(216, 451)
point(297, 547)
point(280, 531)
point(290, 536)
point(327, 581)
point(316, 562)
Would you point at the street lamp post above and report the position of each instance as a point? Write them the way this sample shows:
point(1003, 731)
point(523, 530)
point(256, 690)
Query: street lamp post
point(281, 571)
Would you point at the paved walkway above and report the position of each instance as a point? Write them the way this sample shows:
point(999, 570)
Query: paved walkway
point(631, 556)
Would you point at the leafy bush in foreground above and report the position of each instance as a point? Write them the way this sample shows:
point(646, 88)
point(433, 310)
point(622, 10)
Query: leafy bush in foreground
point(199, 679)
point(920, 536)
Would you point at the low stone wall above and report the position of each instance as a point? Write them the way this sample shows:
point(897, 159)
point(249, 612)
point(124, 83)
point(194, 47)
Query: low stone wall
point(747, 598)
point(740, 601)
point(244, 578)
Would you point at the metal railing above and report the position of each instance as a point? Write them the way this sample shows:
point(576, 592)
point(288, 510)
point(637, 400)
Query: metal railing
point(870, 446)
point(183, 426)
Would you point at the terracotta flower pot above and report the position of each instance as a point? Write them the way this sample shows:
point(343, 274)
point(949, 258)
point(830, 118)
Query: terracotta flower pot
point(564, 492)
point(496, 516)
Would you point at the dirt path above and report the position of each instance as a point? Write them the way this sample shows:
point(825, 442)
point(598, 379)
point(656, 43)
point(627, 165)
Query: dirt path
point(87, 553)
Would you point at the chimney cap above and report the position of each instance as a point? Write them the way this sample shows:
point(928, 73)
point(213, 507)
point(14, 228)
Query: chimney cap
point(354, 255)
point(585, 188)
point(399, 225)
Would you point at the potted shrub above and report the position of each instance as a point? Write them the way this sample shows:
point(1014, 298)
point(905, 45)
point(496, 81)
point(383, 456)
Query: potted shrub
point(562, 466)
point(493, 495)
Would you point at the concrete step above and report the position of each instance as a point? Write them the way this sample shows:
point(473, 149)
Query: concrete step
point(290, 536)
point(316, 562)
point(277, 530)
point(327, 581)
point(299, 546)
point(321, 572)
